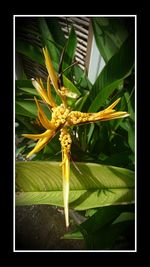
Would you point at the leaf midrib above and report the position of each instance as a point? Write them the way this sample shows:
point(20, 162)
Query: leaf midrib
point(76, 190)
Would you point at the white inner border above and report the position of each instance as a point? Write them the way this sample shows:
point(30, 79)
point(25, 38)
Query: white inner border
point(14, 250)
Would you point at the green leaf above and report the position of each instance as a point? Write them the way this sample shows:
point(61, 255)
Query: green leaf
point(24, 83)
point(118, 159)
point(30, 91)
point(77, 235)
point(102, 229)
point(109, 34)
point(80, 102)
point(130, 103)
point(125, 216)
point(131, 136)
point(103, 217)
point(33, 52)
point(90, 212)
point(70, 49)
point(81, 78)
point(118, 67)
point(100, 221)
point(94, 186)
point(55, 30)
point(48, 41)
point(26, 108)
point(25, 124)
point(108, 236)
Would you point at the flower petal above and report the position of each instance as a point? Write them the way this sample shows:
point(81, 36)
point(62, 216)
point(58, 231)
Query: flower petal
point(78, 118)
point(44, 139)
point(50, 69)
point(40, 144)
point(38, 136)
point(53, 104)
point(39, 87)
point(114, 104)
point(113, 116)
point(42, 117)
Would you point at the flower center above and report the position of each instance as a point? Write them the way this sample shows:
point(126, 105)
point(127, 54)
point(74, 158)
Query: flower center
point(65, 140)
point(76, 117)
point(59, 115)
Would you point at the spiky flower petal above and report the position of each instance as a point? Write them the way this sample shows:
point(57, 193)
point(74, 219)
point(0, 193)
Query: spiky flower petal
point(77, 117)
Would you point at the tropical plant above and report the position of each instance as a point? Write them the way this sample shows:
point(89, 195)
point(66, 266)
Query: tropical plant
point(102, 177)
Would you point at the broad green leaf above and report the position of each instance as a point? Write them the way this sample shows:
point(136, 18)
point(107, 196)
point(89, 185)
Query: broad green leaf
point(131, 136)
point(26, 108)
point(130, 103)
point(19, 150)
point(81, 78)
point(30, 91)
point(118, 159)
point(90, 132)
point(125, 216)
point(102, 229)
point(108, 236)
point(94, 185)
point(80, 102)
point(73, 235)
point(25, 124)
point(48, 41)
point(55, 29)
point(90, 212)
point(24, 83)
point(103, 217)
point(70, 49)
point(33, 52)
point(118, 67)
point(125, 124)
point(19, 70)
point(109, 34)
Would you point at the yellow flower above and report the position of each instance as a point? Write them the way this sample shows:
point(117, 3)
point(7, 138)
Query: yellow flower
point(62, 118)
